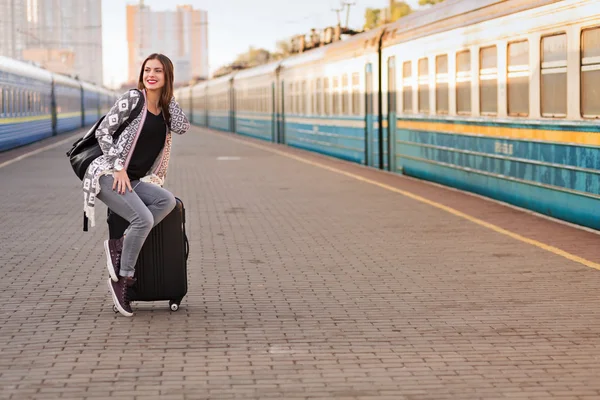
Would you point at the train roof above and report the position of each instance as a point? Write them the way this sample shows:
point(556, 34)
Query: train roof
point(200, 85)
point(222, 79)
point(353, 46)
point(91, 87)
point(24, 69)
point(66, 81)
point(258, 70)
point(452, 14)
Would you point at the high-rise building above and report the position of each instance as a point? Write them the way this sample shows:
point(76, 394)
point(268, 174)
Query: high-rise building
point(13, 19)
point(181, 35)
point(61, 35)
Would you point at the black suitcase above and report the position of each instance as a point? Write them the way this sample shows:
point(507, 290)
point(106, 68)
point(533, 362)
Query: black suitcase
point(161, 268)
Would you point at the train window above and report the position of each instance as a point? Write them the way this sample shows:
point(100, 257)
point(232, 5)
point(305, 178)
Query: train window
point(463, 82)
point(488, 80)
point(318, 94)
point(290, 99)
point(19, 103)
point(407, 86)
point(268, 99)
point(518, 78)
point(303, 99)
point(392, 85)
point(590, 73)
point(554, 76)
point(327, 97)
point(423, 93)
point(298, 104)
point(441, 84)
point(311, 97)
point(356, 94)
point(345, 96)
point(335, 97)
point(1, 101)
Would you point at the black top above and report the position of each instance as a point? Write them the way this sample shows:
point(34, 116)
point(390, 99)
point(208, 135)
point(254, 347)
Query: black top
point(148, 146)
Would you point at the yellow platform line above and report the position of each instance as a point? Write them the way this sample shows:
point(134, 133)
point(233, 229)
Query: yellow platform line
point(495, 228)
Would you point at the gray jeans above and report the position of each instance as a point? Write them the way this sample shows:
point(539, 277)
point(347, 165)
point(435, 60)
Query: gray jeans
point(144, 208)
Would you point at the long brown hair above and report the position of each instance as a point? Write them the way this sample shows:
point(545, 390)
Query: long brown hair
point(167, 89)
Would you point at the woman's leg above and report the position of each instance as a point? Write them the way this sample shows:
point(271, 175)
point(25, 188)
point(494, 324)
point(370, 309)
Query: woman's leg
point(130, 207)
point(159, 201)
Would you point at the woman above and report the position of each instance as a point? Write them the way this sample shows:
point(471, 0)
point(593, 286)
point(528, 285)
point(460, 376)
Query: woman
point(129, 176)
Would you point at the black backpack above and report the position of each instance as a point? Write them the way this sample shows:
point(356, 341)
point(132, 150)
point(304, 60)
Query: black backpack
point(87, 149)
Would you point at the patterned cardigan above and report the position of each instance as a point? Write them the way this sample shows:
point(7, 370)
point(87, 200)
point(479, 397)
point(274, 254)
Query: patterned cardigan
point(120, 153)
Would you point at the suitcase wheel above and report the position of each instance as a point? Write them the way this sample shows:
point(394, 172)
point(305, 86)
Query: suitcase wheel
point(174, 305)
point(115, 309)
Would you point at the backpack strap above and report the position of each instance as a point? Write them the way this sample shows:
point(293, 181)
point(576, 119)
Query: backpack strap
point(133, 115)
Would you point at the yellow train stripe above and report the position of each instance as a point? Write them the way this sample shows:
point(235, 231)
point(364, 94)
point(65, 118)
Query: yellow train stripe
point(450, 210)
point(583, 138)
point(345, 123)
point(18, 120)
point(69, 115)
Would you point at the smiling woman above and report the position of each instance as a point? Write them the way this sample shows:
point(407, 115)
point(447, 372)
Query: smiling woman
point(129, 175)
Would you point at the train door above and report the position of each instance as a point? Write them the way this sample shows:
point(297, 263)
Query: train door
point(390, 121)
point(53, 106)
point(274, 113)
point(281, 113)
point(369, 114)
point(231, 107)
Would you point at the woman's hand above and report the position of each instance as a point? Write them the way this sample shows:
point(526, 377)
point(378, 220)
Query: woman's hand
point(121, 182)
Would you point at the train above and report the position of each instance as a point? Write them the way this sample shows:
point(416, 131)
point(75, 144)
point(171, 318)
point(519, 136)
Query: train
point(496, 97)
point(36, 104)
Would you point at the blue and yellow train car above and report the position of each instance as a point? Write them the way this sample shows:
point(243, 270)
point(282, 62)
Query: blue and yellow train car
point(68, 103)
point(329, 97)
point(25, 104)
point(90, 103)
point(501, 99)
point(199, 106)
point(220, 97)
point(255, 102)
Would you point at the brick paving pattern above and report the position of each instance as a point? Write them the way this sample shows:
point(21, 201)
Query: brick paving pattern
point(303, 283)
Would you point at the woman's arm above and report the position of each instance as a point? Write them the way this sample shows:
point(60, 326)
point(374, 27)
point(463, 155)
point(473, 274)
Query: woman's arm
point(179, 122)
point(117, 115)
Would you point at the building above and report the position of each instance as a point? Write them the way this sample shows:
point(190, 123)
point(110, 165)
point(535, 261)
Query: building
point(63, 36)
point(13, 18)
point(181, 35)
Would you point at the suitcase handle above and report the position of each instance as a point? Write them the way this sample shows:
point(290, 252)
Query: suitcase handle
point(187, 246)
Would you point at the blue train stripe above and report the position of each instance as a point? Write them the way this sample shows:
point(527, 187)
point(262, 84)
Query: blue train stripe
point(579, 208)
point(15, 135)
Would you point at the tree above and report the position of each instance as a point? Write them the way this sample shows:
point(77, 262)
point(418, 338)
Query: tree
point(429, 2)
point(284, 49)
point(399, 10)
point(376, 17)
point(372, 16)
point(253, 57)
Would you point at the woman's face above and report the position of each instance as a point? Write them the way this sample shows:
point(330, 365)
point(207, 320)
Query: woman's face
point(154, 75)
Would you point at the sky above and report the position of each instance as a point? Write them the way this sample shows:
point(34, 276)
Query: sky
point(233, 26)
